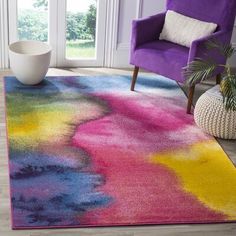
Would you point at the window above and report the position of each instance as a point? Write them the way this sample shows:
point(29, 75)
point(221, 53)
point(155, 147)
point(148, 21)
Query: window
point(74, 28)
point(81, 19)
point(32, 22)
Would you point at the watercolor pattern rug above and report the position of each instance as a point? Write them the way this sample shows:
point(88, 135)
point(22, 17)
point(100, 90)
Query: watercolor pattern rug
point(85, 151)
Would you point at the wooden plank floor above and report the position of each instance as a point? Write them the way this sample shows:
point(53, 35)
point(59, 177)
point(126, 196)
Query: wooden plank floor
point(5, 228)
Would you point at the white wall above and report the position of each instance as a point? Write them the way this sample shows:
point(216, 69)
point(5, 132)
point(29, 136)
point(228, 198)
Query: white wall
point(133, 9)
point(3, 35)
point(129, 10)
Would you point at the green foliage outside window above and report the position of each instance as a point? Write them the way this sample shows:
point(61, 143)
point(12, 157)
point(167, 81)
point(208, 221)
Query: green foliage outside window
point(33, 24)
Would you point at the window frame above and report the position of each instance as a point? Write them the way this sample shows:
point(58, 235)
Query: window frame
point(57, 33)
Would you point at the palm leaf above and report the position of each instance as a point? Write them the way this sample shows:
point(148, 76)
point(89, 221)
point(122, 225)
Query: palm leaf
point(228, 90)
point(201, 69)
point(198, 70)
point(226, 50)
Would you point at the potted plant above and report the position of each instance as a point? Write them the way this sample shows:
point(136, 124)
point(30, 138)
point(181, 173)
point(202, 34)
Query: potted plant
point(215, 110)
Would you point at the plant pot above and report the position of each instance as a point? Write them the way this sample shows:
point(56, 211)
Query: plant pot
point(29, 61)
point(211, 116)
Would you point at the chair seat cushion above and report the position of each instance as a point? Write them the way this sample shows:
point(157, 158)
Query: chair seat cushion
point(162, 57)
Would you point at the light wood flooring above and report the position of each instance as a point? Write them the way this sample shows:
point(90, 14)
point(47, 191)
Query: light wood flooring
point(193, 230)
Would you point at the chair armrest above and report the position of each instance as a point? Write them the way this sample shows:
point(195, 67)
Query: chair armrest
point(198, 49)
point(146, 30)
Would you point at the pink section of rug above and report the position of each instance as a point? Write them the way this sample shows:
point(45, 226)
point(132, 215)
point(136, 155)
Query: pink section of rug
point(144, 192)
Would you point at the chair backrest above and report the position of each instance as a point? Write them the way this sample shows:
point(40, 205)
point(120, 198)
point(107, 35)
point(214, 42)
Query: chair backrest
point(221, 12)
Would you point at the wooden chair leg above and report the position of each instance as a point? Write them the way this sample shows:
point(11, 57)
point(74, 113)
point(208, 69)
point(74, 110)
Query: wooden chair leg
point(190, 99)
point(218, 79)
point(135, 75)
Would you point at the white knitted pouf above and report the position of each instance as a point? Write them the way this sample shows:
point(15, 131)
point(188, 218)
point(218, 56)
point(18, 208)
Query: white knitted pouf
point(211, 116)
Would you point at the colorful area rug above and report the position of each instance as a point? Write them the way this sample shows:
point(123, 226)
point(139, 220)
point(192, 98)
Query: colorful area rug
point(85, 151)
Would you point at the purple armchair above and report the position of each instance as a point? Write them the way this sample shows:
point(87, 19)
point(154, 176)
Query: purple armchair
point(168, 59)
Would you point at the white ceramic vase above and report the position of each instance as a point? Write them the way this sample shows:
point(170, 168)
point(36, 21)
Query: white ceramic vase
point(29, 61)
point(211, 115)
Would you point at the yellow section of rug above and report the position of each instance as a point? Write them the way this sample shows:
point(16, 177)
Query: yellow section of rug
point(205, 171)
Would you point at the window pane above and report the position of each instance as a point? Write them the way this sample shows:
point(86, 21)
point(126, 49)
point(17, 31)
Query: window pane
point(33, 20)
point(81, 20)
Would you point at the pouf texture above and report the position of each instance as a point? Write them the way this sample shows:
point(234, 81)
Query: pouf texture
point(211, 115)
